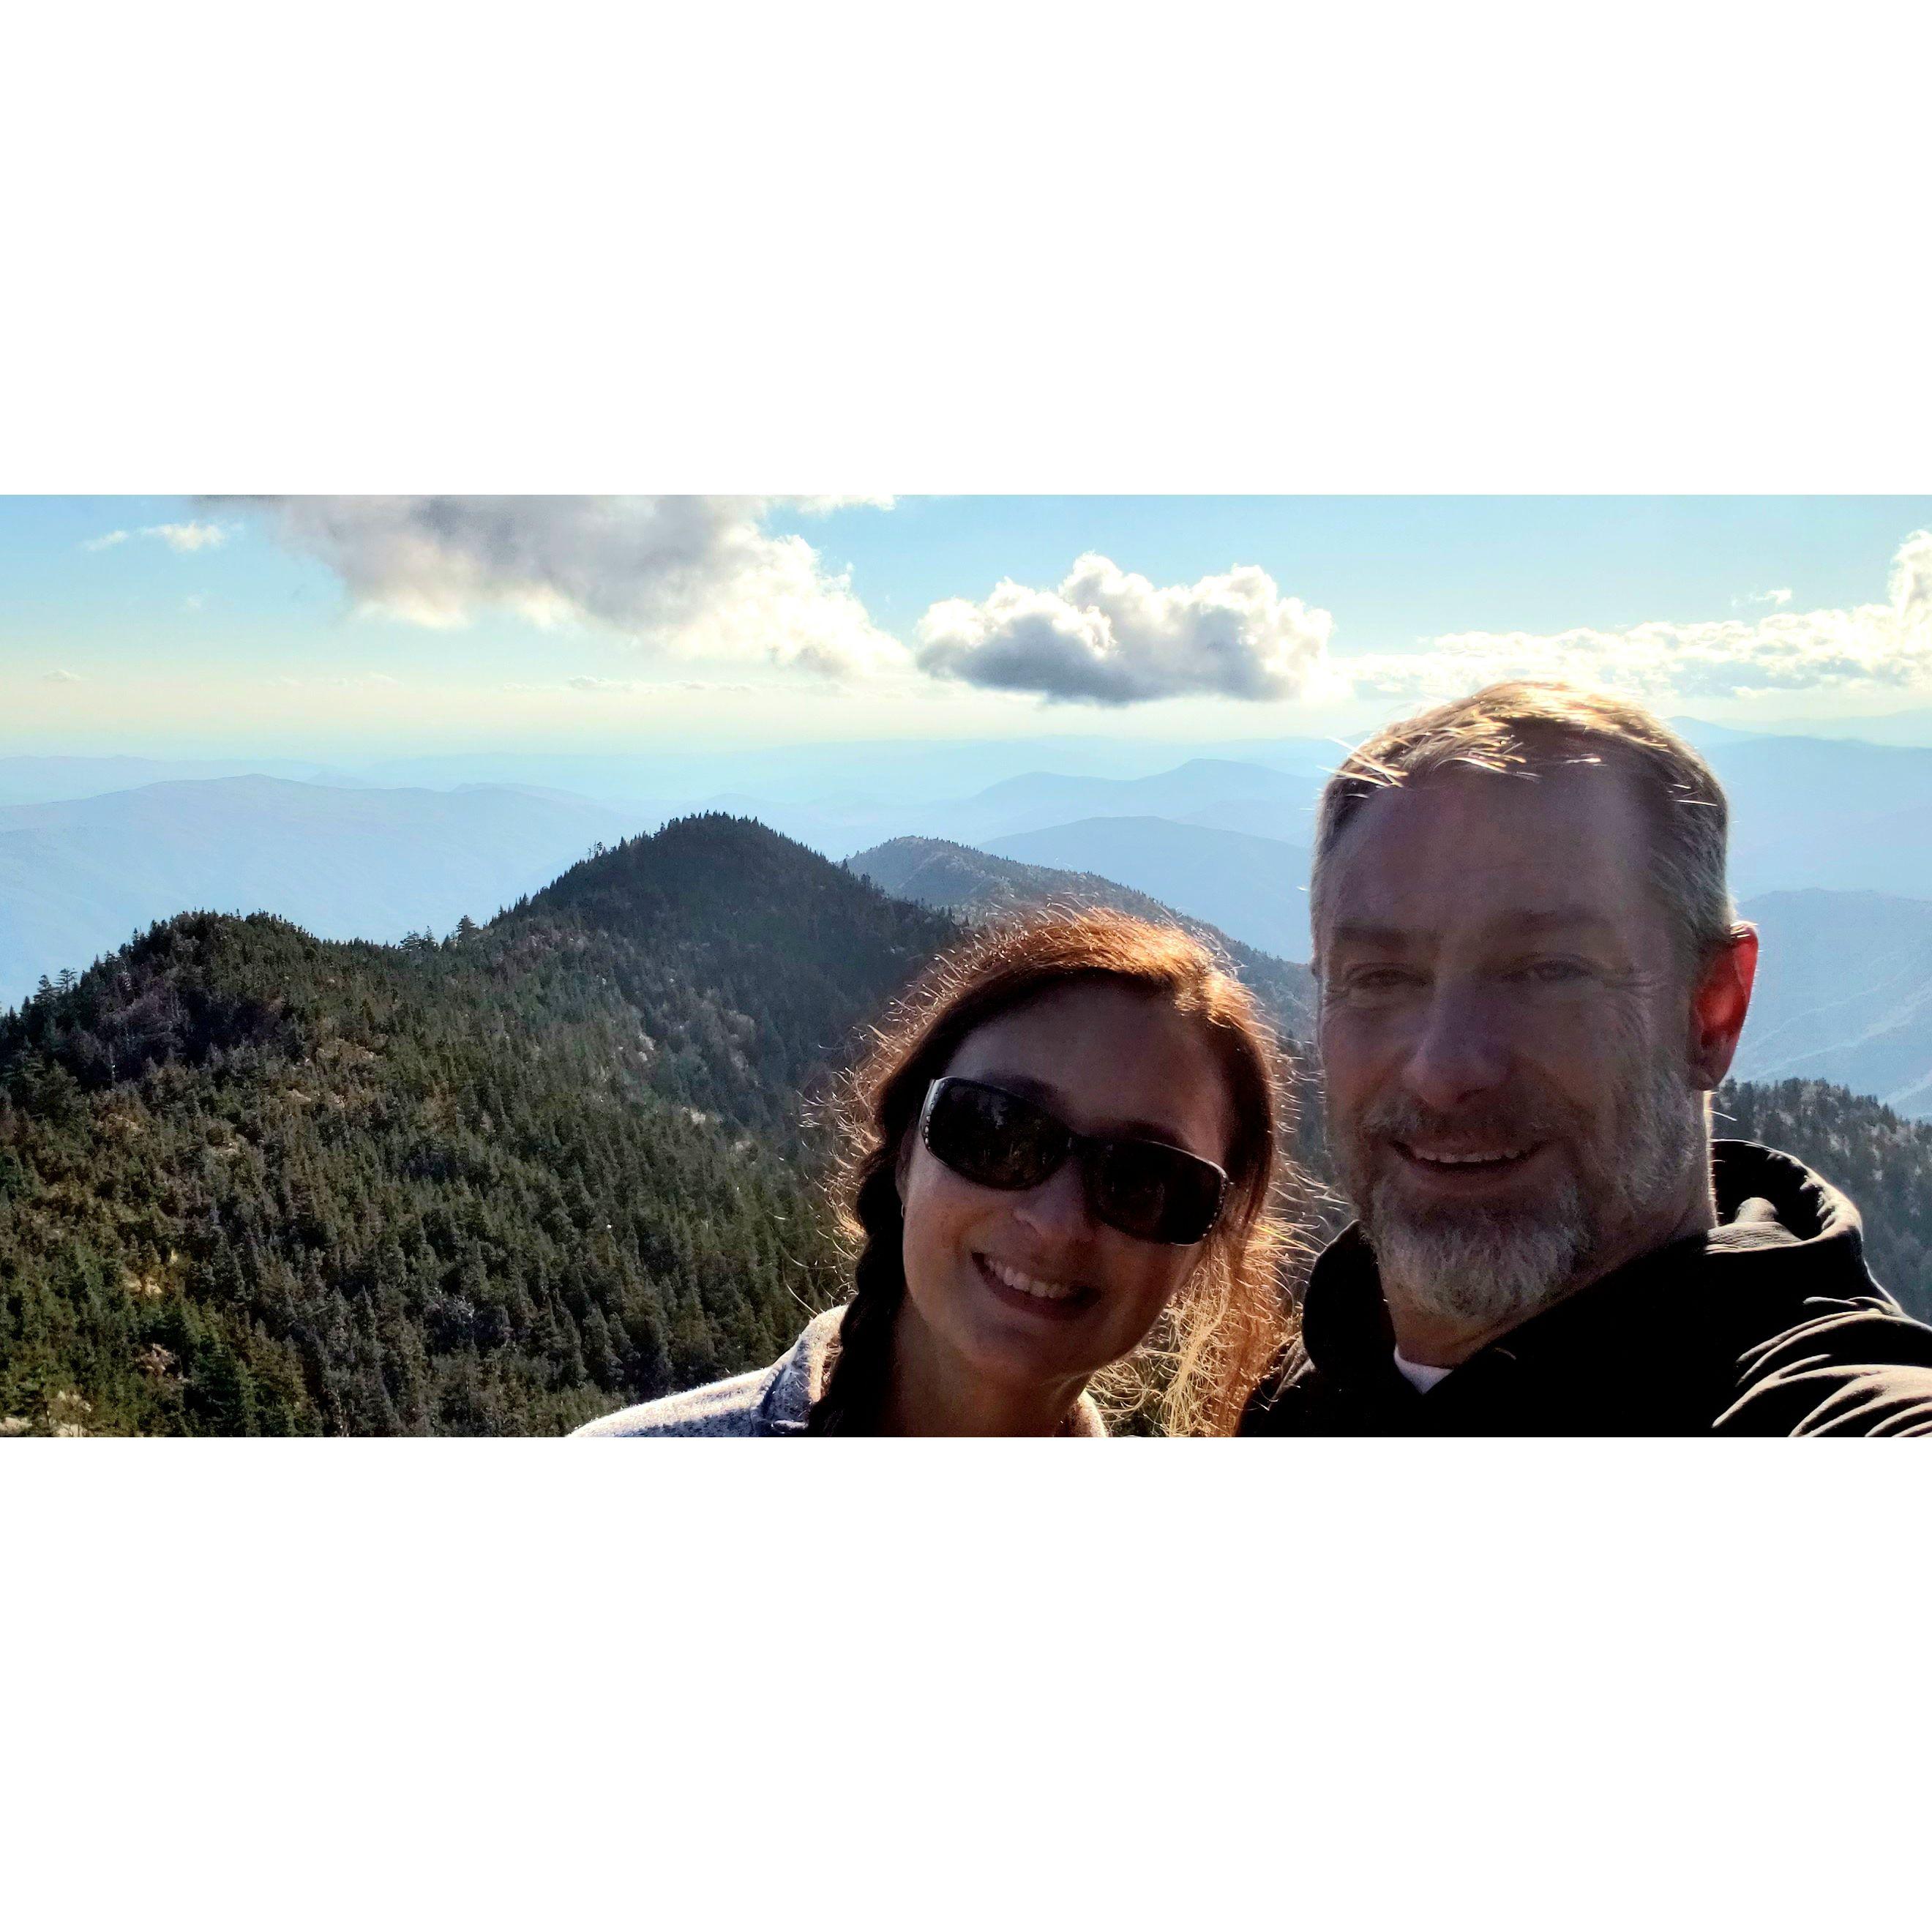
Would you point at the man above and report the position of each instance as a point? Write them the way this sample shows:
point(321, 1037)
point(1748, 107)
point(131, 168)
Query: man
point(1531, 978)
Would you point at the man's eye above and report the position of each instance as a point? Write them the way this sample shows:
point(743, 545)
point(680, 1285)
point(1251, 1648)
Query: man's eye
point(1551, 973)
point(1380, 979)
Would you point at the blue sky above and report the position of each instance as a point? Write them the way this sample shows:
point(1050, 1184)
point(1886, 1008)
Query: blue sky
point(325, 627)
point(1397, 570)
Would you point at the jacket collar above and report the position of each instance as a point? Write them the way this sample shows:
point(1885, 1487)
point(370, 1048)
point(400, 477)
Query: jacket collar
point(1782, 1229)
point(797, 1378)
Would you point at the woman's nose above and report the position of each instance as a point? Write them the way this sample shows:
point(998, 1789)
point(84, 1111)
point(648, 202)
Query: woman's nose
point(1058, 1206)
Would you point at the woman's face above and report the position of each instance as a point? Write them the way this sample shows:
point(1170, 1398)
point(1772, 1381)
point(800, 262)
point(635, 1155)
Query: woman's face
point(1107, 1061)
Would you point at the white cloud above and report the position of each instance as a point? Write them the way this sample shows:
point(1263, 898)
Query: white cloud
point(371, 680)
point(824, 506)
point(1107, 636)
point(189, 536)
point(60, 677)
point(627, 686)
point(690, 576)
point(1884, 646)
point(1912, 583)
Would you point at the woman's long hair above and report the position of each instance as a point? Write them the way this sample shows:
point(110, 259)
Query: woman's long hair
point(1232, 1316)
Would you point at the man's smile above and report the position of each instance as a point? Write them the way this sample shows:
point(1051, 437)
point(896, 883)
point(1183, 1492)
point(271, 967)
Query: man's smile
point(1455, 1166)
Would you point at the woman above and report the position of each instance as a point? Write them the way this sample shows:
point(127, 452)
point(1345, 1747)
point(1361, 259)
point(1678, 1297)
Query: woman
point(1065, 1138)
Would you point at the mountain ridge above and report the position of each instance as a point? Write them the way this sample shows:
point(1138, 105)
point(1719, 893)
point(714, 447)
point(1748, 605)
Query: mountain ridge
point(972, 884)
point(1251, 887)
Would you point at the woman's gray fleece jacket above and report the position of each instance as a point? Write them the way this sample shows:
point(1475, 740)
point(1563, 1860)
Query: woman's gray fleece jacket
point(776, 1401)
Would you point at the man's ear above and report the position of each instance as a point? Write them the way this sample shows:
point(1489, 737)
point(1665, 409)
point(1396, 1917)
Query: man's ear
point(1718, 1003)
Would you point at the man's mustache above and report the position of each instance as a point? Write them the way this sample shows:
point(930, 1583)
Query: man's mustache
point(1411, 1120)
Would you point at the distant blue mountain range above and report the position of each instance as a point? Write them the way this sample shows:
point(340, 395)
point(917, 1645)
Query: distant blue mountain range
point(1832, 851)
point(78, 877)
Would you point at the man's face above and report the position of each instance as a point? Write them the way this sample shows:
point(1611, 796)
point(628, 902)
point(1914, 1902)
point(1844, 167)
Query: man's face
point(1506, 1039)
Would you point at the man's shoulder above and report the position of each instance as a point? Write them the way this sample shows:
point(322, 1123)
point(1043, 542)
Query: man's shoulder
point(1815, 1346)
point(1334, 1376)
point(1289, 1399)
point(1841, 1365)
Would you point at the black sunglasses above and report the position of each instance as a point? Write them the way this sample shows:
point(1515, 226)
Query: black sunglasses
point(1144, 1188)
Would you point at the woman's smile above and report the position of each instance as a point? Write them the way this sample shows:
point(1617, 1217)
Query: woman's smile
point(1059, 1299)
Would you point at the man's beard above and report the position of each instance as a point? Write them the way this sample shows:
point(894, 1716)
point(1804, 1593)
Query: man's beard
point(1486, 1266)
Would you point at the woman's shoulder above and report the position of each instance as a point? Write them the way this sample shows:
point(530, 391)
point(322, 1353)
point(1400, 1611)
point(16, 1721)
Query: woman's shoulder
point(773, 1401)
point(729, 1407)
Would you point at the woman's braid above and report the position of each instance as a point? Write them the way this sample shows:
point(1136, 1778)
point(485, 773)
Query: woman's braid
point(855, 1392)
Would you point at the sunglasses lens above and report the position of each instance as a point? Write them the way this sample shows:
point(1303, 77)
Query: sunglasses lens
point(993, 1139)
point(1158, 1193)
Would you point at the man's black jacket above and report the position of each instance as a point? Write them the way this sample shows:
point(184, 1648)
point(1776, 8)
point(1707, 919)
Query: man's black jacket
point(1771, 1325)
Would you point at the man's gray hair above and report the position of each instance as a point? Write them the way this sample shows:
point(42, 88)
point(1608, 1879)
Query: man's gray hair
point(1524, 727)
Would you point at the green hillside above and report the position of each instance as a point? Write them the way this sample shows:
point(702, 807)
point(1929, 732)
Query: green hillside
point(253, 1181)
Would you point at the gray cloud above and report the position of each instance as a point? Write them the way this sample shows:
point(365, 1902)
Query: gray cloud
point(1107, 636)
point(693, 575)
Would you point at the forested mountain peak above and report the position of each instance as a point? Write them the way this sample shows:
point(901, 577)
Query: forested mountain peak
point(499, 1182)
point(707, 875)
point(745, 930)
